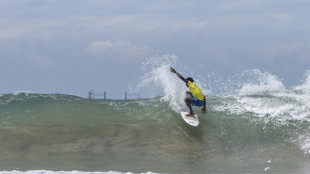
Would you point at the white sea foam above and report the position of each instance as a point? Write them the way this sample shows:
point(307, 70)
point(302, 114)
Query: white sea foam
point(22, 92)
point(260, 82)
point(264, 94)
point(281, 105)
point(63, 172)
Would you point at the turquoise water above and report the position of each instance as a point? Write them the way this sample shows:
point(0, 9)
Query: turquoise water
point(239, 134)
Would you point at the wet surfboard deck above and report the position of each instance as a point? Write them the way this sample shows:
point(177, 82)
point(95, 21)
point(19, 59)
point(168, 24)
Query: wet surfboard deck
point(190, 120)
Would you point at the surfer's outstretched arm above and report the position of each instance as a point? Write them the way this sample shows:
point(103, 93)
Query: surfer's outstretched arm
point(179, 75)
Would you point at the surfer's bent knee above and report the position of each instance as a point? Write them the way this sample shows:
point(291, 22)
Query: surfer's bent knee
point(189, 100)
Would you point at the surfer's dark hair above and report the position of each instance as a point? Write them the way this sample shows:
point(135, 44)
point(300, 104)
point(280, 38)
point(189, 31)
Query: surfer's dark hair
point(190, 79)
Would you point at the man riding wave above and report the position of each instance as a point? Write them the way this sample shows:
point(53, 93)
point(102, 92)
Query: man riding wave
point(194, 95)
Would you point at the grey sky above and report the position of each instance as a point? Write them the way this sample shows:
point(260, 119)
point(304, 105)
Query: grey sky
point(72, 46)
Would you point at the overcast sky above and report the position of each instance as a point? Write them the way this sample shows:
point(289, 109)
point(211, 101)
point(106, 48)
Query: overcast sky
point(72, 46)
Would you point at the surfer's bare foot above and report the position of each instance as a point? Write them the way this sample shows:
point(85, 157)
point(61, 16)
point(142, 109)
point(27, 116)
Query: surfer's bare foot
point(190, 115)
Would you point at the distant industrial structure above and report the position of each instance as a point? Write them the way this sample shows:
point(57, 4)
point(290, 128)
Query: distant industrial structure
point(93, 95)
point(131, 95)
point(103, 95)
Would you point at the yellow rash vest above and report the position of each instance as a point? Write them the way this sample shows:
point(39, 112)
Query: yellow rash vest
point(196, 91)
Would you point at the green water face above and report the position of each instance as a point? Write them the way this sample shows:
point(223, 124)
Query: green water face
point(60, 132)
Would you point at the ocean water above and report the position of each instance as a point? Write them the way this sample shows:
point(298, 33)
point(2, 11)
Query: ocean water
point(254, 125)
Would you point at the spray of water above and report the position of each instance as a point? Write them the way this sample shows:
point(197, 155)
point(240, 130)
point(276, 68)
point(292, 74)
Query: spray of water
point(260, 93)
point(255, 82)
point(157, 77)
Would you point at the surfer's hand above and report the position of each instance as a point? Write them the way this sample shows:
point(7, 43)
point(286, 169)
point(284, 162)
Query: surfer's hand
point(203, 110)
point(173, 70)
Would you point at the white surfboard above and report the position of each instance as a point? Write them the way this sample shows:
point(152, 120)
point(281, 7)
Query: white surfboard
point(190, 120)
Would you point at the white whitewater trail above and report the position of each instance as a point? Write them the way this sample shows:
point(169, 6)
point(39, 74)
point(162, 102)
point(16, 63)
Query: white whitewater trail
point(64, 172)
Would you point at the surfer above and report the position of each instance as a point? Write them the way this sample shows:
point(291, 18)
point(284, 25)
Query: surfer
point(194, 95)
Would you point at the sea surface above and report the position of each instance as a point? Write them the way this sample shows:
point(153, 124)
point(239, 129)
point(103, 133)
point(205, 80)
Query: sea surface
point(266, 133)
point(252, 126)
